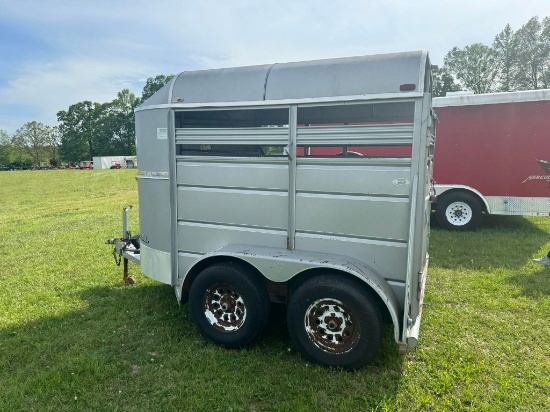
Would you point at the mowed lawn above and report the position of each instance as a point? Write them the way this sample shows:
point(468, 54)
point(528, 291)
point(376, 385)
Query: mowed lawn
point(74, 337)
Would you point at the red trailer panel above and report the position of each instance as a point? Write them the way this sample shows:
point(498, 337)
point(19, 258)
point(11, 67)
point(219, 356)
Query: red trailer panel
point(495, 148)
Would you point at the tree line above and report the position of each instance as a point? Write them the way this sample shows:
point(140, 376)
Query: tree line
point(517, 60)
point(84, 130)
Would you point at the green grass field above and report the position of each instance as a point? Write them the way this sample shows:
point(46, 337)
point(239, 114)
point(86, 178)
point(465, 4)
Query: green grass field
point(74, 337)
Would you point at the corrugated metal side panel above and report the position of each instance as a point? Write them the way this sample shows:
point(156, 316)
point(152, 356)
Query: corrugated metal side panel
point(354, 209)
point(231, 200)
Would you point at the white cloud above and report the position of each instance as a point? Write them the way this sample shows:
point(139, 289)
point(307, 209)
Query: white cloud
point(96, 49)
point(47, 88)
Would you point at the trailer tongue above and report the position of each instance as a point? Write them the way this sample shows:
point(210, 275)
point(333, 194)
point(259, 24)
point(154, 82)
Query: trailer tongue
point(126, 248)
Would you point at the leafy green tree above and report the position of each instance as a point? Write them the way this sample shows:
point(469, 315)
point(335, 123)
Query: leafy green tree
point(34, 138)
point(533, 47)
point(505, 47)
point(443, 82)
point(103, 129)
point(123, 124)
point(115, 134)
point(7, 152)
point(474, 67)
point(78, 128)
point(54, 140)
point(545, 66)
point(104, 126)
point(154, 84)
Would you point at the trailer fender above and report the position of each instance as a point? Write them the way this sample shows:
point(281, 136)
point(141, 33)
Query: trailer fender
point(281, 265)
point(441, 189)
point(460, 209)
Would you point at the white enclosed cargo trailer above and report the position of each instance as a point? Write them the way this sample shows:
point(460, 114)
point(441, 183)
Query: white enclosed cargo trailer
point(114, 162)
point(281, 183)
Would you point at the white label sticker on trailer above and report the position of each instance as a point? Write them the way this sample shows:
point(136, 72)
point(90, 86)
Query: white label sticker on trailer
point(162, 133)
point(400, 182)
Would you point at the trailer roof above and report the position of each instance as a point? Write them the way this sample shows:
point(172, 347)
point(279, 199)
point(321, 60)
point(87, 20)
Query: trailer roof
point(351, 76)
point(492, 98)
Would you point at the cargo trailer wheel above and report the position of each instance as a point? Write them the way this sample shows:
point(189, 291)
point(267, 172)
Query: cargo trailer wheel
point(229, 305)
point(458, 211)
point(333, 322)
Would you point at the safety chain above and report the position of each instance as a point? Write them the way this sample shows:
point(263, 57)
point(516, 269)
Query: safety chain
point(117, 259)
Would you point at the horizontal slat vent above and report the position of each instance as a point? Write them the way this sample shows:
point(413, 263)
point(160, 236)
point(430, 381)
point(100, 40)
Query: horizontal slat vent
point(249, 135)
point(387, 134)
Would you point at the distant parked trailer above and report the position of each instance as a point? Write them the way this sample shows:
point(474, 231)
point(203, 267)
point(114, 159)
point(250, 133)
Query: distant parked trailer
point(86, 164)
point(492, 157)
point(105, 162)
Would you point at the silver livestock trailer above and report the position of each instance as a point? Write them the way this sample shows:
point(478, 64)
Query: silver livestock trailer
point(302, 183)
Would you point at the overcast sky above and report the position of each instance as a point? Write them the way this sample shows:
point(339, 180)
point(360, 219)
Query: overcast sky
point(57, 53)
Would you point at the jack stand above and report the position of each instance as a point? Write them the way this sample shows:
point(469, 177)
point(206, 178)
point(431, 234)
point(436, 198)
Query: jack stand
point(129, 280)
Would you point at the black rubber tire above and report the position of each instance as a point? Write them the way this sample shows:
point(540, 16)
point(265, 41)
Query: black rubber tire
point(351, 309)
point(459, 211)
point(229, 305)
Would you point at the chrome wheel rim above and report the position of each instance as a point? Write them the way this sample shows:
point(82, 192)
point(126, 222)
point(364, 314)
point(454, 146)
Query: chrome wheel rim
point(331, 326)
point(224, 307)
